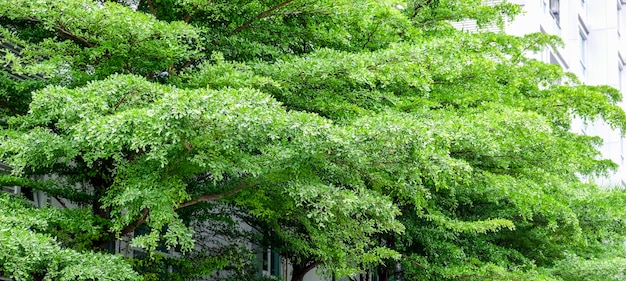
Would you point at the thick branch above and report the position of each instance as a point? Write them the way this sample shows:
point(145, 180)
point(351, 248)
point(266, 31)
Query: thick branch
point(9, 107)
point(262, 15)
point(74, 37)
point(130, 228)
point(310, 267)
point(301, 269)
point(50, 189)
point(61, 29)
point(213, 197)
point(187, 16)
point(151, 7)
point(419, 7)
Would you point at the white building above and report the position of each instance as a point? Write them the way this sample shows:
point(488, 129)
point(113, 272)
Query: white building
point(594, 33)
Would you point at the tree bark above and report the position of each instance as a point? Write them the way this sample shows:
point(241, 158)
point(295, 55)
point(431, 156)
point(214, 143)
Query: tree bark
point(213, 197)
point(383, 273)
point(301, 269)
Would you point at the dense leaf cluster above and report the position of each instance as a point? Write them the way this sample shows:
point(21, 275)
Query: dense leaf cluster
point(360, 137)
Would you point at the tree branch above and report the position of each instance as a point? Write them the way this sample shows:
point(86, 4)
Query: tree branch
point(310, 267)
point(213, 197)
point(419, 265)
point(151, 7)
point(131, 227)
point(117, 105)
point(61, 29)
point(187, 16)
point(512, 157)
point(369, 36)
point(420, 6)
point(66, 192)
point(467, 276)
point(9, 107)
point(74, 37)
point(262, 15)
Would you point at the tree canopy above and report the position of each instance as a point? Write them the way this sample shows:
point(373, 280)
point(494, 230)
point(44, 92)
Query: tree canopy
point(356, 136)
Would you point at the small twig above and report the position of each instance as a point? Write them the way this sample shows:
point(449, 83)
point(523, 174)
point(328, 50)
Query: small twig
point(117, 105)
point(128, 68)
point(188, 63)
point(262, 15)
point(419, 7)
point(369, 36)
point(131, 158)
point(187, 146)
point(419, 265)
point(213, 197)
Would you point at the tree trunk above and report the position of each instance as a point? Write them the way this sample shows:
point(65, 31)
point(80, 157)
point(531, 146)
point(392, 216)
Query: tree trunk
point(302, 268)
point(297, 276)
point(383, 273)
point(38, 276)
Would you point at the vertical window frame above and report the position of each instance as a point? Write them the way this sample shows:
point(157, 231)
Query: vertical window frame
point(583, 50)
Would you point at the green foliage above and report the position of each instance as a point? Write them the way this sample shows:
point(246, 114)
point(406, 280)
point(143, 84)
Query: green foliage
point(88, 40)
point(352, 135)
point(575, 268)
point(35, 245)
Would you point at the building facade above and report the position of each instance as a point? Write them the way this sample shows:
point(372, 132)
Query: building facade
point(594, 37)
point(594, 33)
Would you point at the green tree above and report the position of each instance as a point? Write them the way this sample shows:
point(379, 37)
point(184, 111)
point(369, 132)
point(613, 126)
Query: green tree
point(355, 135)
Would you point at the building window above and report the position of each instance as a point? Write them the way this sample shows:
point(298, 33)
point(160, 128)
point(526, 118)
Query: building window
point(145, 230)
point(619, 18)
point(583, 52)
point(583, 9)
point(270, 263)
point(555, 10)
point(620, 87)
point(620, 77)
point(622, 149)
point(111, 247)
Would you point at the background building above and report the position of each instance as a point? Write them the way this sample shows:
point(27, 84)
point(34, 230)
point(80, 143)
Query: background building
point(595, 50)
point(594, 33)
